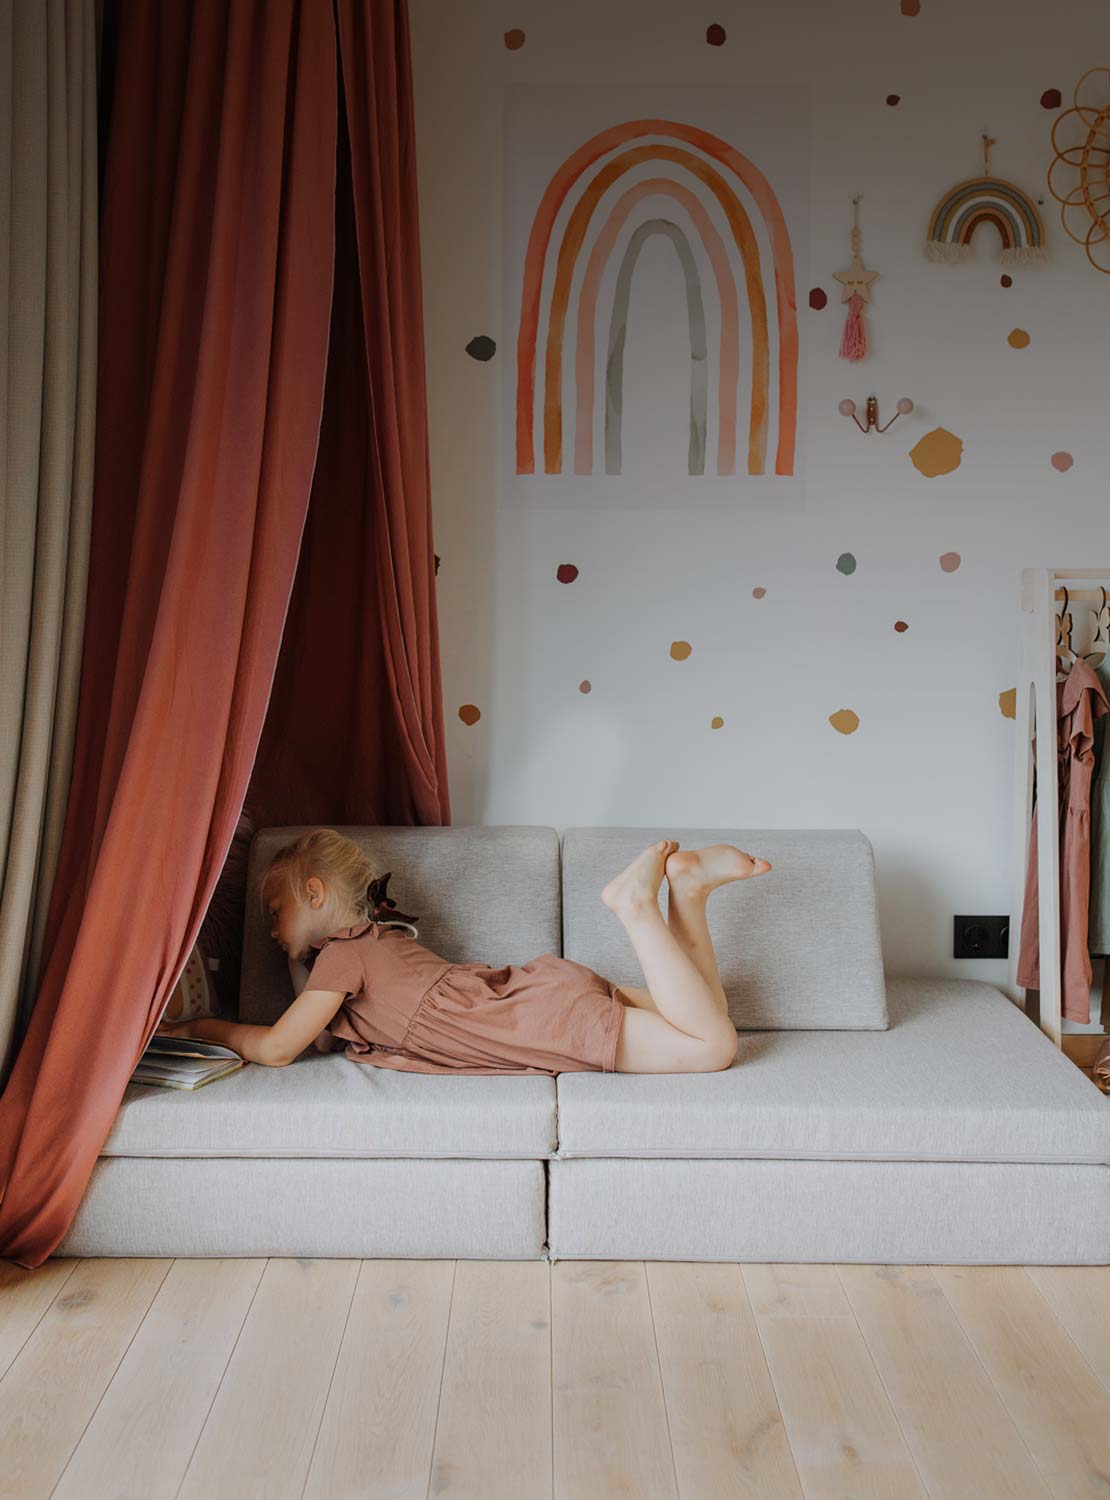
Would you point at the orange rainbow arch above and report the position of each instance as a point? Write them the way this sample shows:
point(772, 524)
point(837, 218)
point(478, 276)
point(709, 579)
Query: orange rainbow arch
point(536, 255)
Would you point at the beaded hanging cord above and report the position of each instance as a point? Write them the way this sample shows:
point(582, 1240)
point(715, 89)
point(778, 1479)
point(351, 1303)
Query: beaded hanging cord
point(856, 281)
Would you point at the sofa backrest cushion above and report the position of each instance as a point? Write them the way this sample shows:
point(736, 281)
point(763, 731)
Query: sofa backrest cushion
point(483, 894)
point(797, 947)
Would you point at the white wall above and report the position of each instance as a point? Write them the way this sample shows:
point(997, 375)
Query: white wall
point(929, 772)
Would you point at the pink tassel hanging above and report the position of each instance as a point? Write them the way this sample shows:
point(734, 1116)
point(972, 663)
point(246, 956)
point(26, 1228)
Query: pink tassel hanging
point(853, 344)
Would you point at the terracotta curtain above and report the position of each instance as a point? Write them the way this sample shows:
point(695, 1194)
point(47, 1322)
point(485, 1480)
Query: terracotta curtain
point(355, 728)
point(216, 279)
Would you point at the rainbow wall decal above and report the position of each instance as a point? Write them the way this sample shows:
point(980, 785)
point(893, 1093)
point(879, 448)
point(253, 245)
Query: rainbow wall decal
point(987, 200)
point(711, 172)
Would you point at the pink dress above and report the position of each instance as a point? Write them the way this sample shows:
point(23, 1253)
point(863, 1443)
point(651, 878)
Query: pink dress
point(1080, 700)
point(408, 1008)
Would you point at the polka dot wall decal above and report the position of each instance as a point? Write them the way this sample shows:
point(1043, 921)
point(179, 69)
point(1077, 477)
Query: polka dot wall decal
point(846, 563)
point(893, 99)
point(469, 714)
point(585, 686)
point(1005, 280)
point(900, 626)
point(758, 593)
point(1007, 703)
point(817, 298)
point(844, 721)
point(566, 572)
point(911, 7)
point(716, 722)
point(680, 650)
point(938, 452)
point(481, 347)
point(1062, 461)
point(715, 35)
point(514, 39)
point(1017, 338)
point(949, 561)
point(1050, 99)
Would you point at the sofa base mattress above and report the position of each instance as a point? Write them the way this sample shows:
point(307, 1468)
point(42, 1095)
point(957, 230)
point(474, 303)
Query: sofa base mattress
point(366, 1209)
point(876, 1212)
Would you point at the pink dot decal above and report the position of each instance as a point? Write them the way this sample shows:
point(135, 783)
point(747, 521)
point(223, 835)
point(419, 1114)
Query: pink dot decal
point(585, 686)
point(817, 298)
point(1062, 461)
point(950, 561)
point(566, 573)
point(758, 593)
point(514, 39)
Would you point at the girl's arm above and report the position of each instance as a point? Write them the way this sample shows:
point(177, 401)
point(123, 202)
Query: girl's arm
point(253, 1043)
point(298, 973)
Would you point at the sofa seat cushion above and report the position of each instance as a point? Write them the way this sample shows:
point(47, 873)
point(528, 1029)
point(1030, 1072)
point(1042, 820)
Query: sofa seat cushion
point(961, 1074)
point(323, 1105)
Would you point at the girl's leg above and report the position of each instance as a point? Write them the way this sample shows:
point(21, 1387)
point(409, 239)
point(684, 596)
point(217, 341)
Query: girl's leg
point(686, 919)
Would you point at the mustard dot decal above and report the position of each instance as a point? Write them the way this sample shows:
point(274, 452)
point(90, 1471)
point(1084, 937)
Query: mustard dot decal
point(680, 650)
point(716, 722)
point(1018, 338)
point(844, 721)
point(1007, 703)
point(938, 452)
point(469, 714)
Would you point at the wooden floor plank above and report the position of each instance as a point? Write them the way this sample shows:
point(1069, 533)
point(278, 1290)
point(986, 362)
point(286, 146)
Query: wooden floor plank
point(727, 1432)
point(140, 1440)
point(1080, 1298)
point(24, 1297)
point(845, 1437)
point(959, 1431)
point(379, 1425)
point(493, 1439)
point(51, 1389)
point(1057, 1401)
point(610, 1420)
point(262, 1427)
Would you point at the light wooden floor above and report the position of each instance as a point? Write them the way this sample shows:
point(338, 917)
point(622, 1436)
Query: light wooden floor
point(488, 1379)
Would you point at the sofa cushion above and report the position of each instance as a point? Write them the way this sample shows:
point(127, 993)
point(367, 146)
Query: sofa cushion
point(961, 1075)
point(324, 1105)
point(483, 894)
point(797, 947)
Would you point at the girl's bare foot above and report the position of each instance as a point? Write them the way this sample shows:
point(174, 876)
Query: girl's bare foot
point(638, 886)
point(699, 871)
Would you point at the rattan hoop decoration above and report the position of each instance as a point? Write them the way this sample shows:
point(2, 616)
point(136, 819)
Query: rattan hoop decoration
point(1086, 203)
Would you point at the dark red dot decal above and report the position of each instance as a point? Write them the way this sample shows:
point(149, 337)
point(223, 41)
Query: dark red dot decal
point(900, 626)
point(514, 39)
point(817, 298)
point(715, 35)
point(566, 573)
point(911, 7)
point(1050, 99)
point(1005, 280)
point(893, 99)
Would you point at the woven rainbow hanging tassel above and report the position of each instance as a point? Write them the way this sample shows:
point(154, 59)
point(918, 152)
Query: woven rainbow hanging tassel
point(856, 282)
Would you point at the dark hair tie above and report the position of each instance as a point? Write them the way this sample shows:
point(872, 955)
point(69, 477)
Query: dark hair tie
point(383, 907)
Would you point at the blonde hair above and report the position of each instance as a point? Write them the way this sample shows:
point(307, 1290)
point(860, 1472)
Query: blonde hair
point(333, 858)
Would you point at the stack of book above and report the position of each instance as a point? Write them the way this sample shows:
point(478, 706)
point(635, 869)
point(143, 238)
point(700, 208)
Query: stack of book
point(184, 1062)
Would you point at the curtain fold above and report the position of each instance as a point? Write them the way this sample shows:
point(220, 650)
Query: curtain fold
point(217, 239)
point(355, 731)
point(48, 317)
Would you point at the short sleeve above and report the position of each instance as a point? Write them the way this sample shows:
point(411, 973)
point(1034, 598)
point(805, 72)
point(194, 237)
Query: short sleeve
point(337, 967)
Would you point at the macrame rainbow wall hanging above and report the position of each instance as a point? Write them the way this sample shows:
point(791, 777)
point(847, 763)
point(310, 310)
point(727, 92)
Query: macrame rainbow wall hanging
point(989, 200)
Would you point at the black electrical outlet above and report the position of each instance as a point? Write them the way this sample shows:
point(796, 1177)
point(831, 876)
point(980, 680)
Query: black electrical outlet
point(981, 937)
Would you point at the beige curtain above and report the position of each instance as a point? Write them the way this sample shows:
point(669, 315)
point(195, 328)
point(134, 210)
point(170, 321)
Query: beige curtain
point(48, 321)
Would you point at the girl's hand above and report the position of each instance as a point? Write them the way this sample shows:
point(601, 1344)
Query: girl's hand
point(172, 1028)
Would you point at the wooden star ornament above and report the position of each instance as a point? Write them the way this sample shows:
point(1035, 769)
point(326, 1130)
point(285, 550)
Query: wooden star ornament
point(856, 279)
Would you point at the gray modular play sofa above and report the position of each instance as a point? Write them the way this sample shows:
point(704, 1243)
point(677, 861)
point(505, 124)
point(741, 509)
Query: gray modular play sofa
point(911, 1121)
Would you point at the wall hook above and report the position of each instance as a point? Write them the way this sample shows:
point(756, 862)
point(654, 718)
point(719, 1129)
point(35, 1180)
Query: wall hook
point(847, 408)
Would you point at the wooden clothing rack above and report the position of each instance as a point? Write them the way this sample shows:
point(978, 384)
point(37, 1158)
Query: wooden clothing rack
point(1040, 594)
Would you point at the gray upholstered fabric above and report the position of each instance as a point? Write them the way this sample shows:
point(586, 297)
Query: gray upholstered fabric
point(483, 894)
point(474, 1210)
point(878, 1212)
point(797, 947)
point(960, 1075)
point(324, 1106)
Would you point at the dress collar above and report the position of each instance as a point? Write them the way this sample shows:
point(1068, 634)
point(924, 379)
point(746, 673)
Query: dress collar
point(347, 932)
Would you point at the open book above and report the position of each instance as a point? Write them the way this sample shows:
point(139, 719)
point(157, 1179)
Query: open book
point(184, 1062)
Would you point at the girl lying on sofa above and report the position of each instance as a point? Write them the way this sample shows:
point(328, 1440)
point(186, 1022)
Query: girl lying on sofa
point(363, 980)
